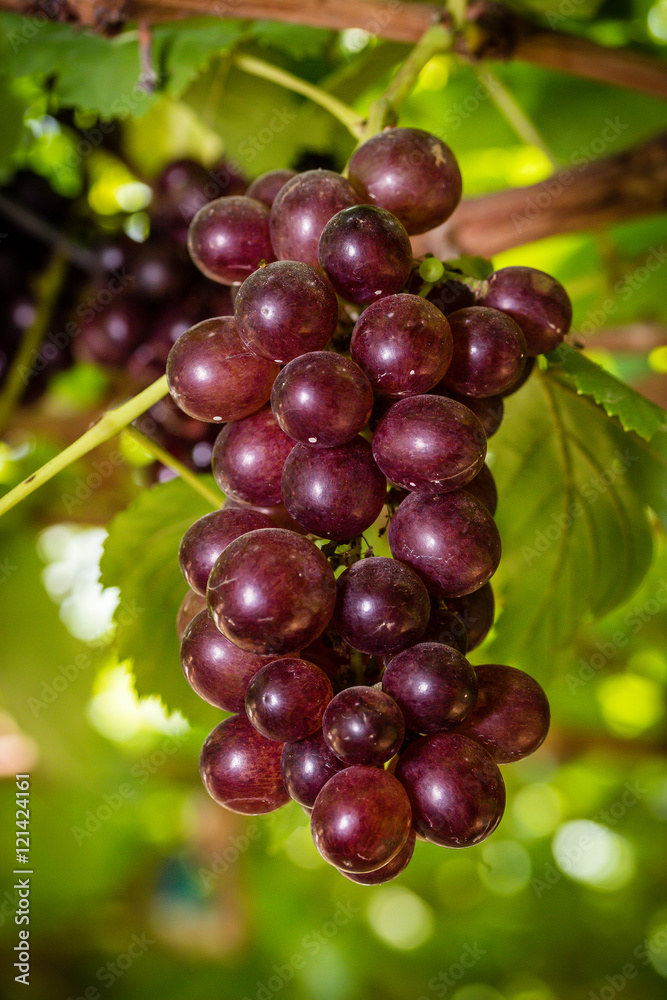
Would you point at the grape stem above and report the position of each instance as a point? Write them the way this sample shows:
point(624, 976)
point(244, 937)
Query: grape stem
point(384, 111)
point(106, 427)
point(187, 475)
point(353, 121)
point(513, 113)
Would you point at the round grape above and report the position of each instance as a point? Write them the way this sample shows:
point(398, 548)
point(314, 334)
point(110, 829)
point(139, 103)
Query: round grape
point(455, 789)
point(403, 344)
point(229, 238)
point(450, 540)
point(537, 302)
point(301, 210)
point(271, 591)
point(240, 768)
point(213, 377)
point(204, 540)
point(433, 685)
point(361, 819)
point(366, 253)
point(248, 459)
point(363, 726)
point(306, 766)
point(382, 606)
point(489, 352)
point(411, 173)
point(511, 717)
point(429, 444)
point(285, 309)
point(286, 699)
point(322, 399)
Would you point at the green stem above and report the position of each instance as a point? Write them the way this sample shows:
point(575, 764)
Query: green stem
point(182, 471)
point(345, 114)
point(513, 113)
point(48, 291)
point(384, 111)
point(108, 425)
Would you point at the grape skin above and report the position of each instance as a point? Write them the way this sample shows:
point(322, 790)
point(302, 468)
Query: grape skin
point(271, 591)
point(248, 459)
point(213, 377)
point(360, 819)
point(240, 768)
point(450, 540)
point(229, 238)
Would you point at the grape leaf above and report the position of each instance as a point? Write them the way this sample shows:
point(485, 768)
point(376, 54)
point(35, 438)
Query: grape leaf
point(572, 516)
point(635, 412)
point(141, 559)
point(300, 41)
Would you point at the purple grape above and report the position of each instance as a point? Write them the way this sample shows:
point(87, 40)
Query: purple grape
point(286, 699)
point(286, 309)
point(476, 611)
point(180, 188)
point(271, 591)
point(306, 766)
point(403, 344)
point(411, 173)
point(488, 409)
point(277, 514)
point(382, 606)
point(216, 669)
point(433, 685)
point(451, 295)
point(191, 605)
point(322, 399)
point(366, 253)
point(110, 335)
point(265, 187)
point(511, 717)
point(229, 238)
point(483, 486)
point(213, 377)
point(489, 352)
point(450, 540)
point(301, 210)
point(361, 819)
point(446, 627)
point(429, 444)
point(157, 271)
point(537, 302)
point(455, 789)
point(528, 366)
point(387, 872)
point(330, 653)
point(363, 726)
point(204, 540)
point(248, 459)
point(240, 768)
point(333, 492)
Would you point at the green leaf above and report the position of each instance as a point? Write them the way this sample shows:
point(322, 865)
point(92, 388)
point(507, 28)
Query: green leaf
point(635, 412)
point(141, 559)
point(184, 50)
point(575, 529)
point(300, 41)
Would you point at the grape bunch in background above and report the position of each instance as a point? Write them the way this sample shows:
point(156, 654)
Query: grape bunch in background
point(353, 384)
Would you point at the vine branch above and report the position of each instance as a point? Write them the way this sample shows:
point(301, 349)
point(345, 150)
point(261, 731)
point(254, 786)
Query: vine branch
point(108, 425)
point(491, 31)
point(582, 197)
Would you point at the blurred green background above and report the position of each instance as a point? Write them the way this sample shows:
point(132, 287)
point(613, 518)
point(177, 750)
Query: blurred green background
point(142, 886)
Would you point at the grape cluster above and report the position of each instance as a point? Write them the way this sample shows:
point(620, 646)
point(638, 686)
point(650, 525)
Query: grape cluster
point(347, 385)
